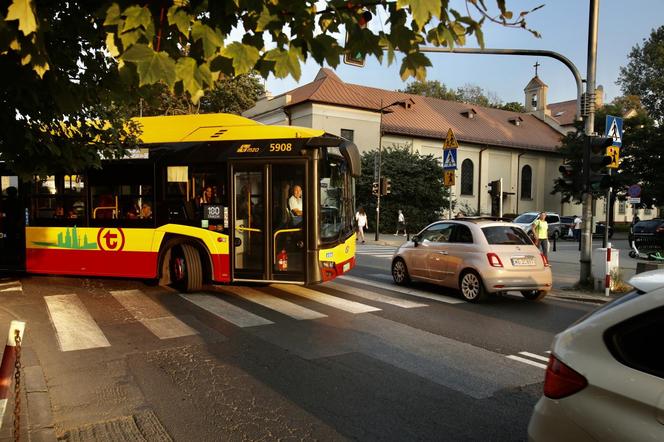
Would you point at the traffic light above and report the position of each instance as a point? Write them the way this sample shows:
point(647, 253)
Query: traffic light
point(374, 188)
point(596, 171)
point(494, 188)
point(571, 175)
point(385, 186)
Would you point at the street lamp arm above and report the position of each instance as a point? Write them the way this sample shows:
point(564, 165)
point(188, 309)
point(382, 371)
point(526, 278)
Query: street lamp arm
point(530, 52)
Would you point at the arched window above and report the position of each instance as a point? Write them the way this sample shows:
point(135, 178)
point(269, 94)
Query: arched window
point(526, 183)
point(467, 177)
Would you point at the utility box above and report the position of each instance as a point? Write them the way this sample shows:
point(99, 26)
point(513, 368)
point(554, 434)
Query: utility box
point(599, 266)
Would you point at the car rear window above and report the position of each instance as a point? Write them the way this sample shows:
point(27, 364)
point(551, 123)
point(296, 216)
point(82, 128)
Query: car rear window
point(650, 224)
point(505, 235)
point(523, 219)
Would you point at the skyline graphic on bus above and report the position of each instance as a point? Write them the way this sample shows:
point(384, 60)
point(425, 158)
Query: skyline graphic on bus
point(70, 240)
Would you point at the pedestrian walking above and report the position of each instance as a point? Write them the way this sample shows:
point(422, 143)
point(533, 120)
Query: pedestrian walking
point(362, 223)
point(401, 223)
point(577, 228)
point(541, 229)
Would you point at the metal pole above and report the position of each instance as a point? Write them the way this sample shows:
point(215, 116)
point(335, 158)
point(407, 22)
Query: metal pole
point(500, 199)
point(380, 163)
point(586, 232)
point(605, 238)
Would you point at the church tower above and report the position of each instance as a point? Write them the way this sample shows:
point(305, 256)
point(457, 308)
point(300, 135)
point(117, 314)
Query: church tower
point(535, 96)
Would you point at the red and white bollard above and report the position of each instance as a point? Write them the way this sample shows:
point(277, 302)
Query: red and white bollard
point(607, 274)
point(7, 365)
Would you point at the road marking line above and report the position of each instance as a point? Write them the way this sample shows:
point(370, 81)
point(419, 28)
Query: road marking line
point(12, 289)
point(526, 361)
point(273, 302)
point(225, 310)
point(373, 296)
point(10, 284)
point(74, 326)
point(534, 356)
point(152, 315)
point(407, 291)
point(324, 298)
point(3, 407)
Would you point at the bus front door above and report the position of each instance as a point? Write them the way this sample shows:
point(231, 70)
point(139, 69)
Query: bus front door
point(268, 222)
point(12, 224)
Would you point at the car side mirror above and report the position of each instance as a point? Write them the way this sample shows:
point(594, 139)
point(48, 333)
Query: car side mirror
point(416, 240)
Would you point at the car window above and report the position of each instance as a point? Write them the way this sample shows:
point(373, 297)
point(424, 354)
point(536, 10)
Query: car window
point(505, 235)
point(438, 233)
point(525, 218)
point(462, 234)
point(552, 219)
point(636, 342)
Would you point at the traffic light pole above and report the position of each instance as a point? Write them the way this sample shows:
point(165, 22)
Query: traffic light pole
point(605, 238)
point(586, 228)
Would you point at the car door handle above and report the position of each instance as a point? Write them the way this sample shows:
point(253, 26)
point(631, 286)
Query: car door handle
point(442, 253)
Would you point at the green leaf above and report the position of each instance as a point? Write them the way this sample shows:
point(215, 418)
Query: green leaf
point(152, 67)
point(265, 19)
point(180, 19)
point(113, 15)
point(244, 57)
point(285, 62)
point(110, 44)
point(421, 10)
point(211, 38)
point(130, 37)
point(414, 65)
point(187, 71)
point(21, 10)
point(137, 17)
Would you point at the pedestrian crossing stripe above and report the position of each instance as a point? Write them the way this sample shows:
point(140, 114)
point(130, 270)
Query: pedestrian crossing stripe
point(532, 359)
point(75, 328)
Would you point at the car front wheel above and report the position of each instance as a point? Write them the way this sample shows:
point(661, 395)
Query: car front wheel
point(533, 295)
point(400, 272)
point(472, 287)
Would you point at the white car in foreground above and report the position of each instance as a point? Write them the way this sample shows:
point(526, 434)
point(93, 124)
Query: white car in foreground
point(605, 377)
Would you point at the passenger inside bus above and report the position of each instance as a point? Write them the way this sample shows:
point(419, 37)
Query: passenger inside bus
point(146, 211)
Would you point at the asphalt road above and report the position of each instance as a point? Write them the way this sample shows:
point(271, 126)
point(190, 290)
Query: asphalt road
point(359, 359)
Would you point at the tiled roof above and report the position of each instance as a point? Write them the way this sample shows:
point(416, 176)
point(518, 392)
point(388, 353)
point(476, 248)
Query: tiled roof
point(432, 117)
point(564, 112)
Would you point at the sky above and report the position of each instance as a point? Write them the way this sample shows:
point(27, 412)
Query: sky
point(564, 28)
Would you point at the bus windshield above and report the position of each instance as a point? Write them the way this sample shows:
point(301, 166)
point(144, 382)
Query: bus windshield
point(334, 198)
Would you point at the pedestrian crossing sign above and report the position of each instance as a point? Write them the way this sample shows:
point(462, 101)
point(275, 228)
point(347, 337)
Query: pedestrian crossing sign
point(450, 159)
point(450, 141)
point(614, 129)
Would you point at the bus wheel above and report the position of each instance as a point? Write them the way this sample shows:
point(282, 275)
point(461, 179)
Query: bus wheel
point(186, 268)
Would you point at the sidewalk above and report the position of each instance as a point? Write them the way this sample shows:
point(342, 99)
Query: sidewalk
point(563, 282)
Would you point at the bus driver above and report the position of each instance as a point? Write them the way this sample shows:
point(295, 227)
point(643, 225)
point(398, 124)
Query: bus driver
point(295, 204)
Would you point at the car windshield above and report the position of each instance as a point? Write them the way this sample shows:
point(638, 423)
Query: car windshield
point(650, 224)
point(525, 218)
point(506, 235)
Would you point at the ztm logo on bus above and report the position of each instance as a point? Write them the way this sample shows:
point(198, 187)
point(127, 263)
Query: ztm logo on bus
point(111, 239)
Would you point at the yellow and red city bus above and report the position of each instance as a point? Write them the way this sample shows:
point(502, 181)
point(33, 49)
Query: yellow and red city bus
point(206, 198)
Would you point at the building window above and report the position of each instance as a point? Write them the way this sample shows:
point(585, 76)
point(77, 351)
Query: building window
point(526, 183)
point(621, 207)
point(467, 177)
point(347, 134)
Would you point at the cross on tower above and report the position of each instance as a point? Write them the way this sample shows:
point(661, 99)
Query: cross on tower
point(536, 65)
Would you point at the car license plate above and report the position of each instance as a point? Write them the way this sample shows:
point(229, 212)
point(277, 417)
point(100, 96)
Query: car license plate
point(346, 267)
point(521, 261)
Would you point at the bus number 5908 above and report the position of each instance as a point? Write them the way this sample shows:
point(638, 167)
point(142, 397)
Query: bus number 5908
point(281, 147)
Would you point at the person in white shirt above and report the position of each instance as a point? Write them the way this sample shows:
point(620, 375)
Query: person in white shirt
point(362, 223)
point(401, 223)
point(577, 228)
point(295, 204)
